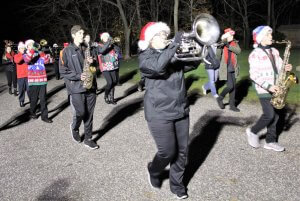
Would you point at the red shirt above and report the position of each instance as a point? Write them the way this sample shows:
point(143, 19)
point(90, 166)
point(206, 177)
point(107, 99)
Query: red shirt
point(22, 67)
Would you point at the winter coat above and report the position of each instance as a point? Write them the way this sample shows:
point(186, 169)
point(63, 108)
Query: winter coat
point(223, 65)
point(107, 57)
point(211, 57)
point(71, 67)
point(9, 62)
point(165, 97)
point(22, 67)
point(261, 70)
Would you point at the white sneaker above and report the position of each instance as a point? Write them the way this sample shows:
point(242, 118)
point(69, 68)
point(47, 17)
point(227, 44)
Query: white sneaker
point(253, 140)
point(204, 90)
point(216, 96)
point(274, 146)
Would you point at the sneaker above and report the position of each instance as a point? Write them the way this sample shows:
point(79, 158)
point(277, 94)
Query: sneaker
point(274, 146)
point(204, 90)
point(75, 134)
point(90, 144)
point(235, 109)
point(220, 103)
point(140, 88)
point(216, 96)
point(181, 196)
point(253, 139)
point(154, 182)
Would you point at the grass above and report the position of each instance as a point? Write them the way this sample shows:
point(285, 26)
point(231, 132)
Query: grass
point(198, 77)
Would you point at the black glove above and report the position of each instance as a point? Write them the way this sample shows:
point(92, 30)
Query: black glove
point(178, 37)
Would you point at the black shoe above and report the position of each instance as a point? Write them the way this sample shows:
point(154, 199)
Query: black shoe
point(153, 181)
point(220, 103)
point(47, 120)
point(90, 144)
point(119, 84)
point(22, 104)
point(235, 109)
point(75, 134)
point(181, 196)
point(9, 91)
point(15, 92)
point(33, 116)
point(107, 100)
point(112, 101)
point(140, 88)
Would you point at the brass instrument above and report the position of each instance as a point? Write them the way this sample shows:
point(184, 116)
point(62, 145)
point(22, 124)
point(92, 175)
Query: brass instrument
point(43, 42)
point(116, 39)
point(285, 79)
point(88, 70)
point(193, 46)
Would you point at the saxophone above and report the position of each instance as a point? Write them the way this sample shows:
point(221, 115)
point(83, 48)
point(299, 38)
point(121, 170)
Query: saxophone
point(88, 70)
point(285, 79)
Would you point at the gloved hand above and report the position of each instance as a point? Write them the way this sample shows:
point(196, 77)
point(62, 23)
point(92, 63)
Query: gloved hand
point(178, 37)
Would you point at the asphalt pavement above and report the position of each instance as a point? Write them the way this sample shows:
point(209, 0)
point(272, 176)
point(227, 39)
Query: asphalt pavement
point(40, 161)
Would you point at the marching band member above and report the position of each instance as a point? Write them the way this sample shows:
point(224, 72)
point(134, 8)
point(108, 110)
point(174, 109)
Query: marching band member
point(165, 104)
point(229, 68)
point(37, 80)
point(265, 64)
point(108, 64)
point(22, 73)
point(82, 100)
point(8, 59)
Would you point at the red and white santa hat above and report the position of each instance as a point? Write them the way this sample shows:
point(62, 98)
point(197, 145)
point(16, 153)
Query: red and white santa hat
point(259, 33)
point(29, 41)
point(227, 32)
point(21, 45)
point(149, 31)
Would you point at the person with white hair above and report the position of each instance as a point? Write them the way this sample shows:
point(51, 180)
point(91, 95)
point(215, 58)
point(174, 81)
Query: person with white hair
point(22, 73)
point(265, 66)
point(165, 104)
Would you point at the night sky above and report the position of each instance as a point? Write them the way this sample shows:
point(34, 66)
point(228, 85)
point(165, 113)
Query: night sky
point(12, 20)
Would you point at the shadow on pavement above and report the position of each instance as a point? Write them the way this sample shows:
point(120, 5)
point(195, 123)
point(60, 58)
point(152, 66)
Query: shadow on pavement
point(127, 76)
point(242, 88)
point(55, 90)
point(193, 96)
point(16, 120)
point(117, 115)
point(204, 136)
point(59, 108)
point(287, 118)
point(56, 191)
point(128, 92)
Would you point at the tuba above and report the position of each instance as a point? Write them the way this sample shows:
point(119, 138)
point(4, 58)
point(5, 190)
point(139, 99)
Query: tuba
point(193, 46)
point(285, 79)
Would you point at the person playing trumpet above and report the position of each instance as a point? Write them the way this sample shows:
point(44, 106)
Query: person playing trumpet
point(165, 104)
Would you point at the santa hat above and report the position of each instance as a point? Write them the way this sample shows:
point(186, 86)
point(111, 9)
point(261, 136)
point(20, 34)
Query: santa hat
point(104, 34)
point(149, 31)
point(227, 32)
point(21, 45)
point(259, 33)
point(30, 41)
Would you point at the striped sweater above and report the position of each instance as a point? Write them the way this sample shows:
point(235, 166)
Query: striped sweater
point(36, 68)
point(261, 70)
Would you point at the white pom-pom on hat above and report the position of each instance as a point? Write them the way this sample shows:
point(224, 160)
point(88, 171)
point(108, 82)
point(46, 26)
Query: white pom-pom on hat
point(29, 41)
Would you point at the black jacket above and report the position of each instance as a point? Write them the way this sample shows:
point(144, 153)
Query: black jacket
point(71, 67)
point(165, 96)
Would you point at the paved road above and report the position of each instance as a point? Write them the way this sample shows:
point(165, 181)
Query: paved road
point(40, 161)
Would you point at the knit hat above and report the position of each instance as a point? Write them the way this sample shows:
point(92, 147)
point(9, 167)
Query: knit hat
point(55, 45)
point(104, 34)
point(21, 45)
point(28, 42)
point(66, 45)
point(259, 33)
point(227, 32)
point(149, 31)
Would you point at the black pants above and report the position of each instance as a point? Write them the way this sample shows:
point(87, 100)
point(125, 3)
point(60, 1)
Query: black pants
point(268, 119)
point(56, 70)
point(111, 80)
point(38, 92)
point(230, 88)
point(11, 78)
point(83, 106)
point(22, 88)
point(171, 138)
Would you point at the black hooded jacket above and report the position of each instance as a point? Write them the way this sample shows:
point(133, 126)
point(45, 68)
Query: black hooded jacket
point(165, 96)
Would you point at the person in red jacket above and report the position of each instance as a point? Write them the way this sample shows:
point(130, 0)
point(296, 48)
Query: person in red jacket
point(22, 73)
point(10, 69)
